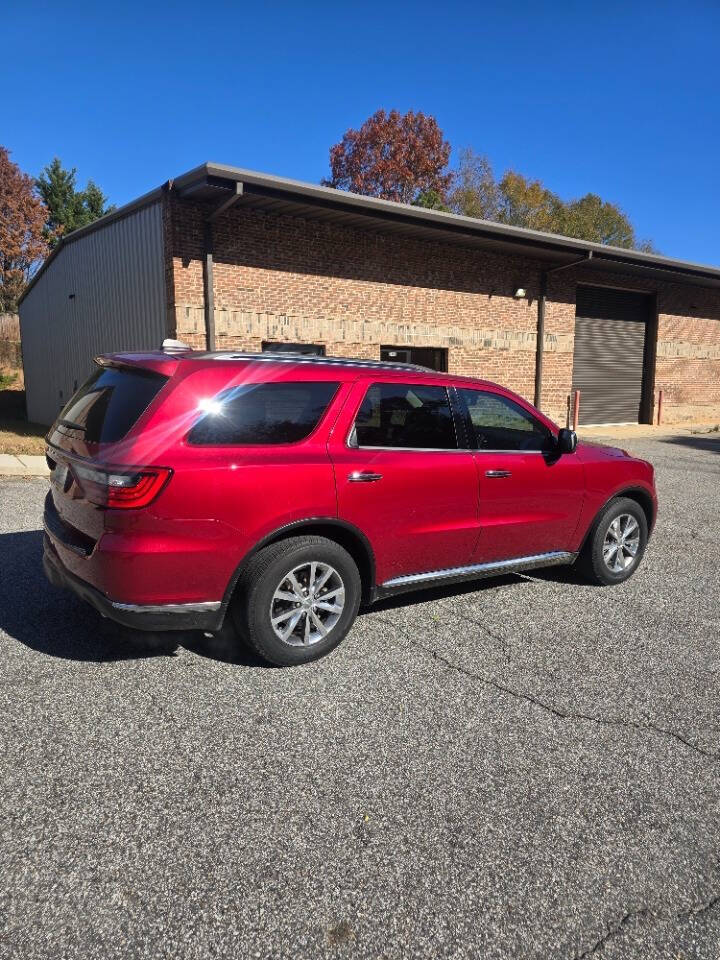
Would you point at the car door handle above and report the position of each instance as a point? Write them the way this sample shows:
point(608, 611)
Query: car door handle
point(363, 476)
point(498, 473)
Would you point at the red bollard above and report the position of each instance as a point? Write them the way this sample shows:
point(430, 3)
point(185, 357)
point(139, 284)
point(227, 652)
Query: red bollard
point(576, 409)
point(660, 402)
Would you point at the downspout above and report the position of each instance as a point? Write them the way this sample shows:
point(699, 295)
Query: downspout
point(542, 299)
point(208, 264)
point(540, 347)
point(208, 281)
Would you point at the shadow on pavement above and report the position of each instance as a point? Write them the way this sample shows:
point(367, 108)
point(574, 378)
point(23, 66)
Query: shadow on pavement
point(56, 623)
point(710, 442)
point(560, 575)
point(451, 590)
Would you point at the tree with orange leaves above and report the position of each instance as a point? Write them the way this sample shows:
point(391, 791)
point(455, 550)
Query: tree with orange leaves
point(394, 156)
point(22, 219)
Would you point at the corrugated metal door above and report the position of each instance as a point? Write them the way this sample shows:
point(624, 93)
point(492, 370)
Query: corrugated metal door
point(610, 330)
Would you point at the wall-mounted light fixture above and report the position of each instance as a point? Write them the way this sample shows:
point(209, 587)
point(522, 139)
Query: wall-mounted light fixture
point(520, 293)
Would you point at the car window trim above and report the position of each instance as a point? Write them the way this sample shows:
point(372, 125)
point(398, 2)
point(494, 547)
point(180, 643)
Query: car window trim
point(462, 433)
point(416, 449)
point(497, 450)
point(448, 392)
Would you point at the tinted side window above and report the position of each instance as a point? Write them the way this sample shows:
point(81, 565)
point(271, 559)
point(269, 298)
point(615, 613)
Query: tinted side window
point(263, 413)
point(405, 415)
point(104, 408)
point(501, 424)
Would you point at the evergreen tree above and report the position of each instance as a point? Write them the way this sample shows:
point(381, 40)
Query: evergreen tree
point(68, 207)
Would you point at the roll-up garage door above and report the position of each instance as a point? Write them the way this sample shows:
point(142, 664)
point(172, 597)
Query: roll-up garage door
point(610, 330)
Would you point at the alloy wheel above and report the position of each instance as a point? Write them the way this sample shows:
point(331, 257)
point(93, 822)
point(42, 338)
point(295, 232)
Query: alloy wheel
point(307, 603)
point(621, 544)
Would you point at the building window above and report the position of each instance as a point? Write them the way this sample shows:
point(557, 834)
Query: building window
point(435, 358)
point(279, 346)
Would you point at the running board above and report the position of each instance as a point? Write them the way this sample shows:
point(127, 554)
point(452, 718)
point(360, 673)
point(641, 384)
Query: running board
point(478, 570)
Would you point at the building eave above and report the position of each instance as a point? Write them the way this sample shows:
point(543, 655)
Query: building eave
point(282, 195)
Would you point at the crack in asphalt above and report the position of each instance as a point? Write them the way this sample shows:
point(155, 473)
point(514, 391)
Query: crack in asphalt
point(501, 641)
point(614, 929)
point(642, 912)
point(701, 908)
point(549, 708)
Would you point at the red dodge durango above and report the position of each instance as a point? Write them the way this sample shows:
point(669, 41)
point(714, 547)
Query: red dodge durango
point(282, 491)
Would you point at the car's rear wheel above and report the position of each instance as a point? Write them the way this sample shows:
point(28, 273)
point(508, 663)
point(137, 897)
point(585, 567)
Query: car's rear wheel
point(615, 544)
point(297, 600)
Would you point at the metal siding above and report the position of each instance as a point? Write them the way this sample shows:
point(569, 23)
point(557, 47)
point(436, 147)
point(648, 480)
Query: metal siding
point(117, 274)
point(608, 357)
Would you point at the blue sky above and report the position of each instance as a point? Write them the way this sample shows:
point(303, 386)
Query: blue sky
point(618, 98)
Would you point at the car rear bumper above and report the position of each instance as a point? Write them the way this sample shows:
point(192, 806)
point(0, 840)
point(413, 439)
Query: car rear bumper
point(171, 616)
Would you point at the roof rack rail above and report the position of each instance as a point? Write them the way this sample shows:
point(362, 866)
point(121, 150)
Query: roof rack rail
point(273, 357)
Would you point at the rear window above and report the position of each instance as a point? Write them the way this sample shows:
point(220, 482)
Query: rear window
point(263, 413)
point(110, 403)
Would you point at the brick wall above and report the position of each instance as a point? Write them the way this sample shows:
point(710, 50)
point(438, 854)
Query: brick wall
point(688, 353)
point(284, 278)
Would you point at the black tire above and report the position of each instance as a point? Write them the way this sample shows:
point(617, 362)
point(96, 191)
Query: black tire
point(266, 572)
point(592, 563)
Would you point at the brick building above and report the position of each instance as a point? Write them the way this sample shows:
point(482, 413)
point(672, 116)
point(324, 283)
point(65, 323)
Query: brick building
point(228, 259)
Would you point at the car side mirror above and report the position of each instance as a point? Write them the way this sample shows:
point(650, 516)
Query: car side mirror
point(566, 441)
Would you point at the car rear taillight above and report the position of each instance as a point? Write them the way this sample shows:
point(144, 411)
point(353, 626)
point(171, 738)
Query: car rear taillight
point(122, 488)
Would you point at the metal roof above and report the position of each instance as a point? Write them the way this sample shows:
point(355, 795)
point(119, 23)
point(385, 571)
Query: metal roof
point(212, 183)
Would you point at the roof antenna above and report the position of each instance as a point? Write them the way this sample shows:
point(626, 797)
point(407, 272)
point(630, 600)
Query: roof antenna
point(175, 346)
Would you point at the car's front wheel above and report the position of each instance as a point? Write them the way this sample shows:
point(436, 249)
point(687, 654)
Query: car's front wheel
point(615, 544)
point(297, 599)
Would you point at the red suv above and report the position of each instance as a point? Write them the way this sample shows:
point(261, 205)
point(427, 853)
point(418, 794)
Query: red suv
point(282, 491)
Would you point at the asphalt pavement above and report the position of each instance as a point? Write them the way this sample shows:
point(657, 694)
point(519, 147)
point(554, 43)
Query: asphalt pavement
point(526, 767)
